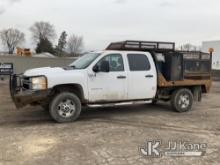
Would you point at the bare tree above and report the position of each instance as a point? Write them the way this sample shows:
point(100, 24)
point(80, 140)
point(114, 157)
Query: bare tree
point(11, 38)
point(42, 30)
point(75, 44)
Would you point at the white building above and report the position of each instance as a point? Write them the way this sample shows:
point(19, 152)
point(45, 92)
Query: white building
point(216, 55)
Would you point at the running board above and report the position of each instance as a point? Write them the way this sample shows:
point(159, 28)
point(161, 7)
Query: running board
point(119, 104)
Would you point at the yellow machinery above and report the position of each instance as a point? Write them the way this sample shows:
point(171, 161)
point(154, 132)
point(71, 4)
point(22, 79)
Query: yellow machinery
point(23, 52)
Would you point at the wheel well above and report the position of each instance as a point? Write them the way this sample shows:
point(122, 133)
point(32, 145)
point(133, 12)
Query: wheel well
point(196, 91)
point(165, 93)
point(191, 88)
point(73, 88)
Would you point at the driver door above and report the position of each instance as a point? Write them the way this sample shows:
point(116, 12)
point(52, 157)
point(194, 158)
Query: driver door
point(109, 86)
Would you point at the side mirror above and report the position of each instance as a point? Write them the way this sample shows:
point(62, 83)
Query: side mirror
point(95, 69)
point(104, 67)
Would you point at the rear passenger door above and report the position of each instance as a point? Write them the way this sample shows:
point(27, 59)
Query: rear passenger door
point(142, 76)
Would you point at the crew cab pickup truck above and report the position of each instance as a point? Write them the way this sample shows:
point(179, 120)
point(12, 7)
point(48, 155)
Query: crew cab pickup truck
point(128, 71)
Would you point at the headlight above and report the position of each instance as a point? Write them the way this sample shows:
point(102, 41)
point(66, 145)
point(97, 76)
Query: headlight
point(39, 83)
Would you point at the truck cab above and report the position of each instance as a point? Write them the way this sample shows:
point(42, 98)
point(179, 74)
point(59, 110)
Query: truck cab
point(115, 75)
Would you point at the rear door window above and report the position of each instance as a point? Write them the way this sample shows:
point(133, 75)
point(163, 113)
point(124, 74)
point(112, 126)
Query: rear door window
point(138, 62)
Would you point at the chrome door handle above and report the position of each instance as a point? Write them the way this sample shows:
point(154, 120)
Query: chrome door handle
point(121, 77)
point(149, 76)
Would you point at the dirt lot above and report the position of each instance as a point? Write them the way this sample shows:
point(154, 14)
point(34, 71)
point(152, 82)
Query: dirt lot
point(108, 135)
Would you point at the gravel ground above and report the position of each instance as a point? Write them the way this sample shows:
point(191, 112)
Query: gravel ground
point(106, 135)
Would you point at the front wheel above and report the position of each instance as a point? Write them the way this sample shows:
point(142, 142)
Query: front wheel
point(182, 100)
point(65, 107)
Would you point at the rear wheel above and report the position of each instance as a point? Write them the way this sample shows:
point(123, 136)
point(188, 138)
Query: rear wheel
point(182, 100)
point(65, 107)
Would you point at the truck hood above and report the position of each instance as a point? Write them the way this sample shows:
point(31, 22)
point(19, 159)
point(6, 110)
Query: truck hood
point(43, 71)
point(58, 75)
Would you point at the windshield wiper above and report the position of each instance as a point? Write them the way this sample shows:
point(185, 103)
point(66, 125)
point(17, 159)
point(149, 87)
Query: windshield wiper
point(74, 67)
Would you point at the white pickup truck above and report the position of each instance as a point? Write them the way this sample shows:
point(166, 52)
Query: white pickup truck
point(127, 71)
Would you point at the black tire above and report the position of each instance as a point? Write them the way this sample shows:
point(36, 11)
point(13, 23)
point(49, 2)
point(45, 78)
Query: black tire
point(182, 100)
point(62, 112)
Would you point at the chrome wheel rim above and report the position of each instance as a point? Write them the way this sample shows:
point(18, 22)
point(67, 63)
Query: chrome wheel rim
point(66, 108)
point(184, 101)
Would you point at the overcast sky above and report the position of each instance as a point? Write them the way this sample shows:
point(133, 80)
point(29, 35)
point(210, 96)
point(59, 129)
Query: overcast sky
point(103, 21)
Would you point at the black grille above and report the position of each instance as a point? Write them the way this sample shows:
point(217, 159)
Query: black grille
point(26, 83)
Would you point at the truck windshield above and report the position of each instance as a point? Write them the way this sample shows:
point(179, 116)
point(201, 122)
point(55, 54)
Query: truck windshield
point(84, 61)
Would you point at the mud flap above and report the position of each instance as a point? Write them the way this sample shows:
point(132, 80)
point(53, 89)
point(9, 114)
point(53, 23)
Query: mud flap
point(197, 94)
